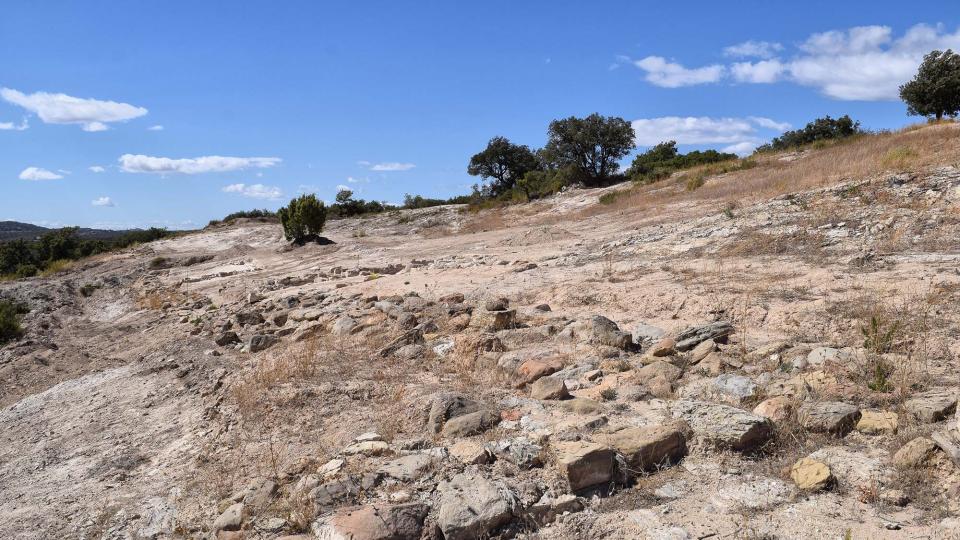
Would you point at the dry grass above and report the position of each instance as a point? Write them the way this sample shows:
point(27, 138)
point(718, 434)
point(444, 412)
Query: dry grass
point(775, 174)
point(56, 267)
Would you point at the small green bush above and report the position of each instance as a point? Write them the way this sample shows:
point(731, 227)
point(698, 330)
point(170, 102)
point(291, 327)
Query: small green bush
point(10, 321)
point(303, 217)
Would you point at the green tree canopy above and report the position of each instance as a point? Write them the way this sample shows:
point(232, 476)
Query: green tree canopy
point(593, 145)
point(503, 163)
point(303, 217)
point(935, 90)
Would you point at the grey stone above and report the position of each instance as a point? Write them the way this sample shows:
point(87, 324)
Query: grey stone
point(469, 424)
point(449, 405)
point(829, 417)
point(932, 406)
point(723, 425)
point(261, 342)
point(693, 336)
point(471, 506)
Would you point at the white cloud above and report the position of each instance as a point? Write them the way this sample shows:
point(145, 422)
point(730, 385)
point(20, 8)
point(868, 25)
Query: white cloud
point(136, 163)
point(764, 71)
point(753, 49)
point(38, 173)
point(102, 201)
point(740, 135)
point(92, 114)
point(673, 75)
point(341, 187)
point(741, 148)
point(255, 191)
point(10, 126)
point(157, 127)
point(865, 63)
point(95, 126)
point(768, 123)
point(389, 166)
point(96, 169)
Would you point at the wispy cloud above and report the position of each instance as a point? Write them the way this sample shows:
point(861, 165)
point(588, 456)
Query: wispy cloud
point(753, 49)
point(10, 126)
point(255, 191)
point(389, 166)
point(864, 63)
point(38, 173)
point(660, 72)
point(157, 127)
point(91, 114)
point(341, 187)
point(136, 163)
point(96, 168)
point(102, 201)
point(740, 135)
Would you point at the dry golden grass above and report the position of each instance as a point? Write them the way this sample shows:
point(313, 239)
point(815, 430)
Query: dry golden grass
point(860, 157)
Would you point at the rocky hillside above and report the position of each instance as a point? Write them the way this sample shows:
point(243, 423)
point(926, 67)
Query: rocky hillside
point(751, 360)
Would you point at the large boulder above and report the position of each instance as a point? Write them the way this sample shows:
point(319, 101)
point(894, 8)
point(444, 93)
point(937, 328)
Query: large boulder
point(261, 342)
point(649, 448)
point(471, 506)
point(549, 388)
point(470, 424)
point(723, 425)
point(374, 522)
point(249, 318)
point(449, 405)
point(695, 335)
point(932, 406)
point(585, 464)
point(599, 330)
point(833, 417)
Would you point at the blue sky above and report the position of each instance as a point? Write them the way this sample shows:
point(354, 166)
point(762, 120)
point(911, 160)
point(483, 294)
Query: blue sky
point(131, 114)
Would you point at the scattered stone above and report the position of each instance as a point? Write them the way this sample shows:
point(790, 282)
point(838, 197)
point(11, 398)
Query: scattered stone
point(599, 330)
point(410, 352)
point(822, 355)
point(331, 468)
point(471, 506)
point(665, 347)
point(497, 304)
point(374, 522)
point(344, 326)
point(410, 337)
point(915, 453)
point(470, 452)
point(584, 406)
point(449, 405)
point(811, 475)
point(779, 409)
point(932, 406)
point(693, 336)
point(645, 334)
point(829, 417)
point(261, 342)
point(226, 338)
point(702, 350)
point(723, 425)
point(521, 451)
point(547, 508)
point(230, 519)
point(249, 318)
point(585, 464)
point(877, 422)
point(658, 370)
point(407, 468)
point(531, 370)
point(735, 387)
point(470, 424)
point(648, 448)
point(494, 321)
point(367, 448)
point(549, 388)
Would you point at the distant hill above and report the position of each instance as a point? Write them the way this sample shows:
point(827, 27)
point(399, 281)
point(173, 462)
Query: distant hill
point(13, 230)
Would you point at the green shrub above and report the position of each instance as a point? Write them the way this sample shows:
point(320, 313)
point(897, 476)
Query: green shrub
point(303, 217)
point(816, 133)
point(10, 321)
point(26, 270)
point(609, 198)
point(663, 159)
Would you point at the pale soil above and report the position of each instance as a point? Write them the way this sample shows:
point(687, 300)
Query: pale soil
point(127, 428)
